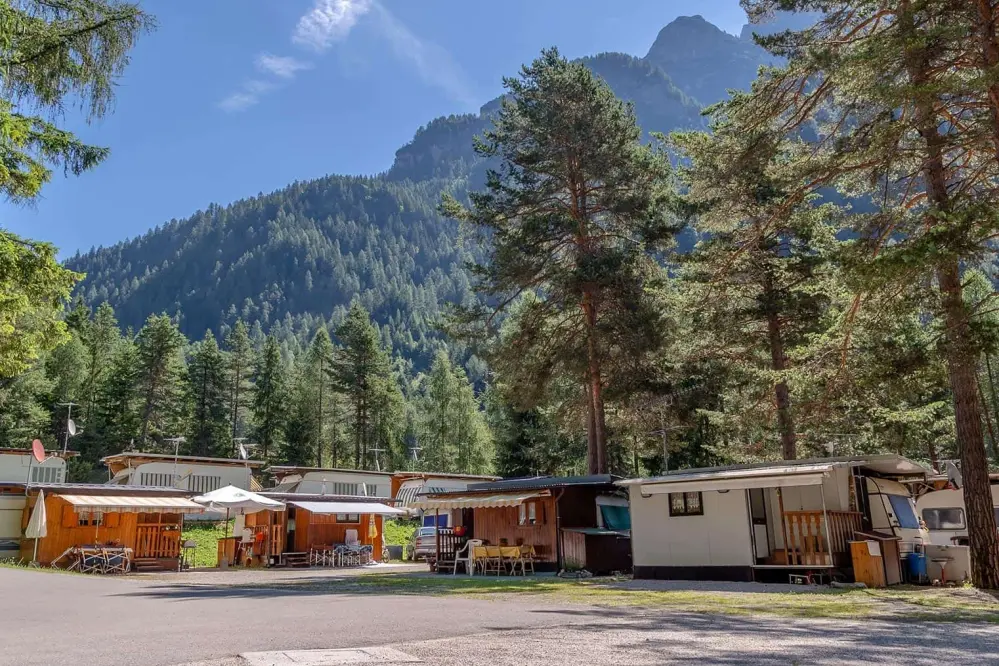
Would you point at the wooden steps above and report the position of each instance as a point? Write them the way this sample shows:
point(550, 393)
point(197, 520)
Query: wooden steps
point(144, 564)
point(295, 560)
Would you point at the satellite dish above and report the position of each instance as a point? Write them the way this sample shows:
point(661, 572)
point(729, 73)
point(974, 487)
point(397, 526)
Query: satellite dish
point(38, 450)
point(242, 452)
point(71, 427)
point(954, 476)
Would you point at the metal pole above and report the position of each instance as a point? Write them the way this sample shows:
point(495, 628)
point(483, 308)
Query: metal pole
point(825, 519)
point(783, 523)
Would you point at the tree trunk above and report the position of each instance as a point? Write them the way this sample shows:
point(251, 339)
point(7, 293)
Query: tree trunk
point(235, 407)
point(591, 433)
point(961, 355)
point(985, 29)
point(598, 457)
point(785, 420)
point(962, 368)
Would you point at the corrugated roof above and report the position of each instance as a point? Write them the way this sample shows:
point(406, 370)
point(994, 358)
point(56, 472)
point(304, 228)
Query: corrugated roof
point(291, 469)
point(102, 489)
point(136, 455)
point(888, 463)
point(317, 497)
point(538, 482)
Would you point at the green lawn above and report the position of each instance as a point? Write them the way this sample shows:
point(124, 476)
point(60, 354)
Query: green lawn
point(916, 603)
point(207, 536)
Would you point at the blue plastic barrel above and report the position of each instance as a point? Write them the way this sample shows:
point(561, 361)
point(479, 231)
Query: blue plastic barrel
point(916, 563)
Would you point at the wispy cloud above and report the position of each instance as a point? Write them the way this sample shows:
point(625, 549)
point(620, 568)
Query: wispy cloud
point(329, 21)
point(284, 67)
point(248, 95)
point(432, 62)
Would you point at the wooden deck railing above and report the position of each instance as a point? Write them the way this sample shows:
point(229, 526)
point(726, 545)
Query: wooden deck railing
point(155, 541)
point(448, 544)
point(807, 537)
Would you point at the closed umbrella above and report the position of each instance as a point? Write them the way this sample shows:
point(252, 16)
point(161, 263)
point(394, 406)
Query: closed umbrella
point(37, 527)
point(372, 527)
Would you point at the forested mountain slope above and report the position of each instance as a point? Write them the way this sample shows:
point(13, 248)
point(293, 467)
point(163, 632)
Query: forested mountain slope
point(286, 259)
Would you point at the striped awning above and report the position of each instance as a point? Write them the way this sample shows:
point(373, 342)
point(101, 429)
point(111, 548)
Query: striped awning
point(448, 502)
point(131, 504)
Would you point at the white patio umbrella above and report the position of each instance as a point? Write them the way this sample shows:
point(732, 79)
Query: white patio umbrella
point(237, 502)
point(37, 527)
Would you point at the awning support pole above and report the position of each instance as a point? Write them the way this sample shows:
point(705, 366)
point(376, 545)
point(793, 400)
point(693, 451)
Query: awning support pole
point(825, 520)
point(783, 523)
point(437, 533)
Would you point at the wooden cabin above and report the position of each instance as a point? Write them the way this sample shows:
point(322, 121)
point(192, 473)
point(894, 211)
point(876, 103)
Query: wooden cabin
point(579, 522)
point(408, 487)
point(312, 522)
point(149, 521)
point(769, 521)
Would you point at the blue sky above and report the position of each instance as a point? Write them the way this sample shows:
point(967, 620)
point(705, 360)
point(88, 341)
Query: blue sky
point(229, 98)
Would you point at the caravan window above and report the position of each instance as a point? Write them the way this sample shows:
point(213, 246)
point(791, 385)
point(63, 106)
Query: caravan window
point(944, 519)
point(685, 504)
point(905, 511)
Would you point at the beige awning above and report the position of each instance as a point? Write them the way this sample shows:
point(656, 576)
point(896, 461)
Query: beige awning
point(477, 501)
point(348, 507)
point(131, 504)
point(742, 479)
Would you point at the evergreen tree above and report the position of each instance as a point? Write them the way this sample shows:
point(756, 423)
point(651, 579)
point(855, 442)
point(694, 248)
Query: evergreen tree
point(298, 447)
point(269, 398)
point(895, 108)
point(758, 285)
point(362, 373)
point(450, 426)
point(569, 215)
point(118, 417)
point(100, 336)
point(319, 362)
point(25, 412)
point(240, 357)
point(160, 380)
point(208, 390)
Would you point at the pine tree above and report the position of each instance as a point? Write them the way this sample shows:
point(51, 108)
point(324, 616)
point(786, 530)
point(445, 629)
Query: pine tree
point(298, 447)
point(887, 85)
point(758, 284)
point(569, 215)
point(450, 426)
point(361, 372)
point(160, 380)
point(208, 390)
point(117, 417)
point(269, 398)
point(100, 336)
point(319, 363)
point(240, 357)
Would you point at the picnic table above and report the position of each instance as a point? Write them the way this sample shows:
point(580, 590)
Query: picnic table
point(503, 559)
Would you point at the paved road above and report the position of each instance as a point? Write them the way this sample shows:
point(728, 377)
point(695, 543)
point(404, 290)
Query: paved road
point(59, 619)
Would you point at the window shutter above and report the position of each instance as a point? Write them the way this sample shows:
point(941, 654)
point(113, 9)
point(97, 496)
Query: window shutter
point(112, 519)
point(68, 516)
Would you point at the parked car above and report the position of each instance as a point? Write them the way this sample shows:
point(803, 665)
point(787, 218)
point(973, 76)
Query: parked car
point(424, 543)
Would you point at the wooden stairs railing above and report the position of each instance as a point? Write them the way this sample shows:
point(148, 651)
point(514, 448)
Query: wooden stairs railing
point(808, 542)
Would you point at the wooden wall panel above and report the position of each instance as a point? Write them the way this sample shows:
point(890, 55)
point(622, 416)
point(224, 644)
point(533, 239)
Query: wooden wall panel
point(493, 525)
point(574, 550)
point(313, 529)
point(63, 532)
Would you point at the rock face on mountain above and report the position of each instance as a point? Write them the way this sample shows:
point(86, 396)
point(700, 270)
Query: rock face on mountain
point(296, 257)
point(704, 61)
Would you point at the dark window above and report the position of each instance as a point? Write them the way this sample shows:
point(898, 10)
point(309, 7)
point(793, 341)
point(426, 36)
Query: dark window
point(944, 519)
point(685, 504)
point(348, 518)
point(905, 511)
point(615, 517)
point(91, 519)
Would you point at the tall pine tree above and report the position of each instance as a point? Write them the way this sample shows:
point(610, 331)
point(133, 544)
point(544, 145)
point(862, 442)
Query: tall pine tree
point(160, 381)
point(269, 398)
point(208, 390)
point(575, 205)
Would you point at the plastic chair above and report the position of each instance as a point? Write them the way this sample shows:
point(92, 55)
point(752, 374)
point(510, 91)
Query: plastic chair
point(526, 559)
point(469, 557)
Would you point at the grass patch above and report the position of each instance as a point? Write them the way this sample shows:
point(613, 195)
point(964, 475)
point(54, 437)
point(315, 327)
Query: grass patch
point(924, 604)
point(206, 535)
point(25, 565)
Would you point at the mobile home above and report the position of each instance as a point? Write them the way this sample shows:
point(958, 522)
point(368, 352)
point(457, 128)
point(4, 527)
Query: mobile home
point(19, 467)
point(197, 474)
point(407, 487)
point(942, 509)
point(331, 481)
point(766, 521)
